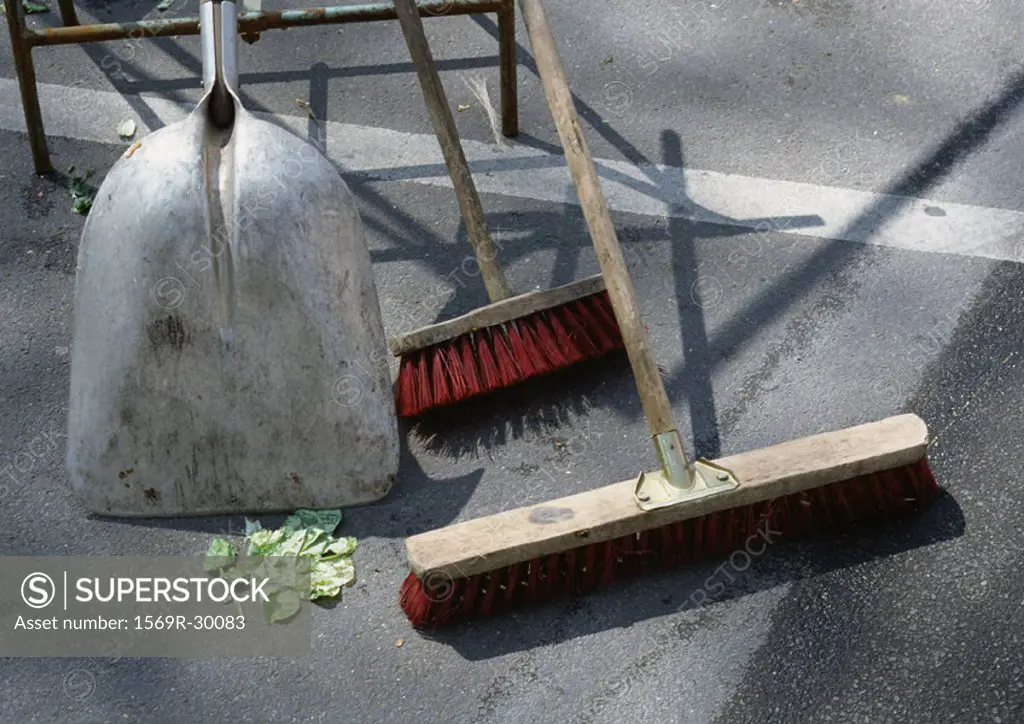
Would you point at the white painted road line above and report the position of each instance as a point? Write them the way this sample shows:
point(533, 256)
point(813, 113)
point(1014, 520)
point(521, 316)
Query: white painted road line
point(515, 170)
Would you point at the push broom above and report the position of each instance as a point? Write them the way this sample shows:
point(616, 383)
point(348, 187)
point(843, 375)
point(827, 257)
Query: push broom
point(682, 512)
point(514, 338)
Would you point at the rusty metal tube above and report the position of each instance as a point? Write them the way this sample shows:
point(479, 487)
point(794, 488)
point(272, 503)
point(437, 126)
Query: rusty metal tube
point(507, 54)
point(254, 22)
point(22, 52)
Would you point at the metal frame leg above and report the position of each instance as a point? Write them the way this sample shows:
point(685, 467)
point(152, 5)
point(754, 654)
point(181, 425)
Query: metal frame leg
point(27, 85)
point(507, 59)
point(67, 12)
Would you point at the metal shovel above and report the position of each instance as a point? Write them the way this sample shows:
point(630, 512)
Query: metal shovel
point(228, 350)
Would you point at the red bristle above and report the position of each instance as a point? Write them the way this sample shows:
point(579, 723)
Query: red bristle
point(490, 590)
point(710, 535)
point(603, 338)
point(577, 330)
point(803, 511)
point(674, 541)
point(608, 564)
point(405, 397)
point(467, 603)
point(415, 602)
point(511, 585)
point(730, 526)
point(586, 568)
point(828, 510)
point(570, 571)
point(502, 356)
point(749, 521)
point(737, 522)
point(921, 475)
point(552, 576)
point(863, 495)
point(499, 357)
point(637, 554)
point(447, 604)
point(456, 375)
point(643, 553)
point(878, 486)
point(424, 399)
point(489, 375)
point(439, 391)
point(914, 476)
point(536, 577)
point(602, 306)
point(565, 341)
point(713, 535)
point(526, 358)
point(629, 560)
point(779, 511)
point(416, 395)
point(547, 344)
point(470, 371)
point(589, 569)
point(794, 511)
point(508, 371)
point(541, 363)
point(830, 515)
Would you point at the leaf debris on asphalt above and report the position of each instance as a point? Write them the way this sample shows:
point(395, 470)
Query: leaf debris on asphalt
point(308, 106)
point(305, 534)
point(126, 129)
point(30, 8)
point(81, 196)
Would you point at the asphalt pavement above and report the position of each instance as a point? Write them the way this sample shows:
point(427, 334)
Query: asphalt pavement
point(919, 622)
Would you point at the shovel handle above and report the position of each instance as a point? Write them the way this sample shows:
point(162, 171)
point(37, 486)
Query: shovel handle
point(602, 232)
point(218, 30)
point(451, 147)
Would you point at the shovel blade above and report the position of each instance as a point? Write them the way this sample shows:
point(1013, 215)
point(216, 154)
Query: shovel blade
point(234, 371)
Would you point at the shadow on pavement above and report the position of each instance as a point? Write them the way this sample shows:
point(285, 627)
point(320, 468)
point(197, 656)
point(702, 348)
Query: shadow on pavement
point(964, 597)
point(431, 502)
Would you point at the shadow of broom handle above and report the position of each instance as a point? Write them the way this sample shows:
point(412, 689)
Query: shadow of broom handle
point(602, 232)
point(451, 147)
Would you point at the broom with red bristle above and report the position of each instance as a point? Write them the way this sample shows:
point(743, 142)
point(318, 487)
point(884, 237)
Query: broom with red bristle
point(526, 557)
point(681, 513)
point(513, 339)
point(503, 344)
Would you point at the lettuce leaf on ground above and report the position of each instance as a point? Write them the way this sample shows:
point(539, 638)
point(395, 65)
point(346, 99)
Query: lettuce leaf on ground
point(306, 533)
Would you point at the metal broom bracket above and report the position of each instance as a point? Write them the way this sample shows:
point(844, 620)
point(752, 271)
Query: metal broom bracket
point(680, 481)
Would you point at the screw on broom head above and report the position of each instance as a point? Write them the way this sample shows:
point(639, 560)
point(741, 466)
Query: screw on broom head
point(512, 348)
point(629, 543)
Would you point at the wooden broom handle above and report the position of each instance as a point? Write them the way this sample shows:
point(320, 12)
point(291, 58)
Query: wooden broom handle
point(455, 159)
point(595, 210)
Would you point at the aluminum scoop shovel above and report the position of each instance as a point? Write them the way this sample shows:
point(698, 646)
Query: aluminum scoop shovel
point(228, 350)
